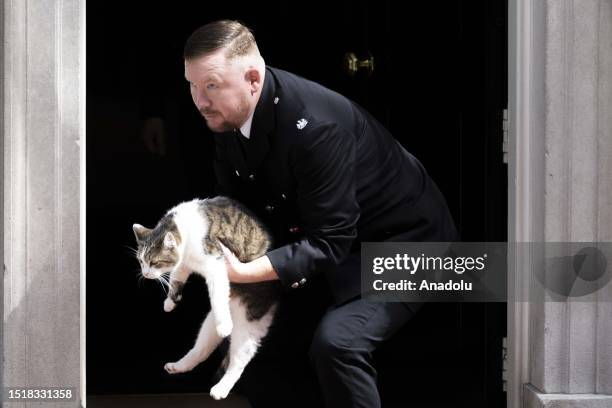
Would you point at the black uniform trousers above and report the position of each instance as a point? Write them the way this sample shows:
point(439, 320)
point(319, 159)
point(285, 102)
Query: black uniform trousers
point(317, 355)
point(332, 367)
point(342, 346)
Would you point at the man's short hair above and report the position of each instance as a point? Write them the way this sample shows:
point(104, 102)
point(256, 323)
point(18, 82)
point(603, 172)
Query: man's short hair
point(235, 37)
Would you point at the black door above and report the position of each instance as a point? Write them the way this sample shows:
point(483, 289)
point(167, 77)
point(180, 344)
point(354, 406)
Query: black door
point(438, 83)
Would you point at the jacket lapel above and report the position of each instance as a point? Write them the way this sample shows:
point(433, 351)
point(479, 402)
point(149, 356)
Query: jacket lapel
point(235, 154)
point(264, 123)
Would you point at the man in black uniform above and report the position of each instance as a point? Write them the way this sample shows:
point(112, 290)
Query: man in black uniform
point(326, 176)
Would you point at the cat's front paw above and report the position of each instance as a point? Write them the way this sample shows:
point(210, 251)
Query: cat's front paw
point(169, 305)
point(224, 328)
point(174, 368)
point(219, 391)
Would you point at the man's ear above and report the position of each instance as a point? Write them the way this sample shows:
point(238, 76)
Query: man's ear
point(169, 241)
point(253, 77)
point(140, 232)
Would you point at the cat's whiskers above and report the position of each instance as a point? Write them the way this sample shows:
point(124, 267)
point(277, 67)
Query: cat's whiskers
point(162, 285)
point(166, 276)
point(165, 280)
point(133, 251)
point(140, 277)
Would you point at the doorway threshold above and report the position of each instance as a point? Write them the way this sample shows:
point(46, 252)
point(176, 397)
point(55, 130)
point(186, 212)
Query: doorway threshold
point(165, 401)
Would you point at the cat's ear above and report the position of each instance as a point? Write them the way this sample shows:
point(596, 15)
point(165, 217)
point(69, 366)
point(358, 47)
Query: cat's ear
point(140, 232)
point(169, 241)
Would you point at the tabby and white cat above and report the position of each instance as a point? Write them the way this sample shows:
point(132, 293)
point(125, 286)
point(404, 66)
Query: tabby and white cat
point(187, 239)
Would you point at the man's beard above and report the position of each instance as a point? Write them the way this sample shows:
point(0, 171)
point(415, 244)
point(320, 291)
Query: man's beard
point(229, 124)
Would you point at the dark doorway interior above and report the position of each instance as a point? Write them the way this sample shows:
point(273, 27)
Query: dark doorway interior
point(439, 85)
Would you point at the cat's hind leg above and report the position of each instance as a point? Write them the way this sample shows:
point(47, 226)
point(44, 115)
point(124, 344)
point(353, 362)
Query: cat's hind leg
point(244, 342)
point(205, 344)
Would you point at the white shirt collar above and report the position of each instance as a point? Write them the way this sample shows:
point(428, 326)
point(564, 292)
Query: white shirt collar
point(246, 128)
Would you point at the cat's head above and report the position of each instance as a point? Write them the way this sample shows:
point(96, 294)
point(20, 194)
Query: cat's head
point(158, 248)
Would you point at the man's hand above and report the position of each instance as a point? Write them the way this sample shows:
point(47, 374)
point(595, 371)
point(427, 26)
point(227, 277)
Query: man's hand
point(258, 270)
point(236, 270)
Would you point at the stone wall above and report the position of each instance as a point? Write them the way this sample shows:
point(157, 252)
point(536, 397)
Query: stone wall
point(43, 129)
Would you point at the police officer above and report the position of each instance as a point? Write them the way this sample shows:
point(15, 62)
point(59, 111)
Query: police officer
point(325, 175)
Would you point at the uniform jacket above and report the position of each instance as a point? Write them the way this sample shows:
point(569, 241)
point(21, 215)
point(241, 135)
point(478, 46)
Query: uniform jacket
point(324, 175)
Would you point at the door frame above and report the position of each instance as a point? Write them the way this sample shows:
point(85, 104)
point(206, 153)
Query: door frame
point(526, 53)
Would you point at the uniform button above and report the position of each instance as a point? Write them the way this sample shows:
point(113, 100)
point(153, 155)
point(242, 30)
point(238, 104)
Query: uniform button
point(276, 100)
point(269, 208)
point(252, 177)
point(283, 196)
point(238, 174)
point(295, 285)
point(303, 281)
